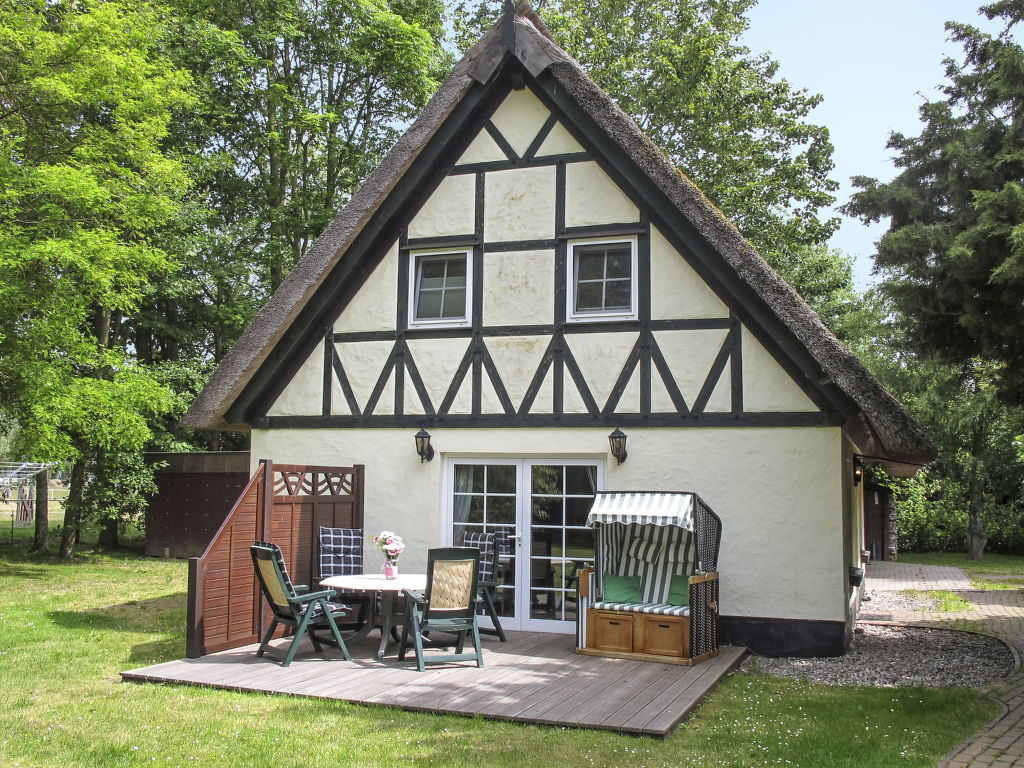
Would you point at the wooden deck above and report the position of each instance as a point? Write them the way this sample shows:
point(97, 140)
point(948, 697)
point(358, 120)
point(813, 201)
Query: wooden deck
point(534, 678)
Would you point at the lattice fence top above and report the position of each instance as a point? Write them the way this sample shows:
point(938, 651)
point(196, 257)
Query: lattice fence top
point(18, 472)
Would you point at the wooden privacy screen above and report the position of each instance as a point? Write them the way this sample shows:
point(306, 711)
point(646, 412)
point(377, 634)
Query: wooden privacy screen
point(285, 504)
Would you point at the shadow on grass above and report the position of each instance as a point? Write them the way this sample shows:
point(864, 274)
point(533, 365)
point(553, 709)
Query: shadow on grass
point(157, 614)
point(156, 651)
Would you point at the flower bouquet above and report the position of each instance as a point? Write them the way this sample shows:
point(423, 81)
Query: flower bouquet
point(391, 545)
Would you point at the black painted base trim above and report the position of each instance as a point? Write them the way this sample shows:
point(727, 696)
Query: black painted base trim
point(785, 637)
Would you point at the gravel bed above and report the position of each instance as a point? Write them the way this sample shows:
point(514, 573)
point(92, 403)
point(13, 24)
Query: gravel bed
point(885, 601)
point(890, 657)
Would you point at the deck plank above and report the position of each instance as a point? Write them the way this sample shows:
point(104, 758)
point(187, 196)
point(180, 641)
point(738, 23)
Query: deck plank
point(533, 678)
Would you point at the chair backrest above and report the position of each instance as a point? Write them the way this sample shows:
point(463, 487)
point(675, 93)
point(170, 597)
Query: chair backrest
point(452, 582)
point(341, 551)
point(272, 573)
point(487, 545)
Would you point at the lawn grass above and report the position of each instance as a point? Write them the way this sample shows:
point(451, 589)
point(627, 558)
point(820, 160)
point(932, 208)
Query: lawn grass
point(946, 601)
point(989, 564)
point(66, 632)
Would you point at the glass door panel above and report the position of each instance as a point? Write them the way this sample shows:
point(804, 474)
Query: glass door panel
point(560, 543)
point(485, 500)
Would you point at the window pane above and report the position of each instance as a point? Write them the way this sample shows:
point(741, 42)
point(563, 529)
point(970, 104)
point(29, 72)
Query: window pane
point(543, 541)
point(590, 265)
point(464, 477)
point(619, 261)
point(580, 480)
point(546, 511)
point(588, 296)
point(576, 511)
point(547, 479)
point(454, 303)
point(432, 270)
point(579, 545)
point(501, 479)
point(428, 305)
point(476, 509)
point(462, 530)
point(457, 270)
point(541, 573)
point(501, 509)
point(544, 604)
point(618, 295)
point(478, 472)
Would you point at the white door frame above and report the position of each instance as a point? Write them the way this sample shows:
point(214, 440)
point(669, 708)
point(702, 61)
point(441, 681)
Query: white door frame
point(523, 464)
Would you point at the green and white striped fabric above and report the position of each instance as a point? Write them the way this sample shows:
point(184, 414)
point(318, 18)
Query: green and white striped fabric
point(654, 553)
point(661, 609)
point(642, 508)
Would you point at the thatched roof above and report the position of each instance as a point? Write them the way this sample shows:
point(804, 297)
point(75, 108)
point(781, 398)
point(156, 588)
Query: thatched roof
point(883, 428)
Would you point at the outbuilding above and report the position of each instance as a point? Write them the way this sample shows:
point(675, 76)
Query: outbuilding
point(526, 274)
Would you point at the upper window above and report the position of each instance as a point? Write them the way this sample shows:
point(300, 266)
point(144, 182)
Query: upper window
point(439, 288)
point(602, 280)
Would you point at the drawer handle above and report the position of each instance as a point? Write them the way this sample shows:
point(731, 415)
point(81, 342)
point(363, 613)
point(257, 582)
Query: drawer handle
point(664, 626)
point(613, 623)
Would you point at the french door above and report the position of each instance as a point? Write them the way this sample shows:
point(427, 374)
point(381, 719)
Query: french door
point(537, 509)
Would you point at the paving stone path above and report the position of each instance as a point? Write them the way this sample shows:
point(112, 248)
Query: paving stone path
point(995, 612)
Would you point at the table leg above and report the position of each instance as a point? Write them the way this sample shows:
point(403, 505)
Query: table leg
point(369, 624)
point(387, 604)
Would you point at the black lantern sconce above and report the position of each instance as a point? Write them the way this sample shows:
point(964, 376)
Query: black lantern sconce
point(423, 446)
point(617, 443)
point(858, 471)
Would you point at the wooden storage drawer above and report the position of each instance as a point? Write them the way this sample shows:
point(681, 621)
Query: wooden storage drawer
point(614, 632)
point(664, 635)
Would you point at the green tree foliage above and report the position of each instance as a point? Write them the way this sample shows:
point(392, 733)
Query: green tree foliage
point(973, 495)
point(720, 113)
point(300, 101)
point(85, 101)
point(953, 257)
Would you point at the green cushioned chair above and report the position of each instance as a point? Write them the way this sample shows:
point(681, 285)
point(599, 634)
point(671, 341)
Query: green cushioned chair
point(448, 605)
point(292, 605)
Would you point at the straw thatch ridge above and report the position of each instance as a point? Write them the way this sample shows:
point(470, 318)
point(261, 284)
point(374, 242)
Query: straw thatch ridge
point(885, 426)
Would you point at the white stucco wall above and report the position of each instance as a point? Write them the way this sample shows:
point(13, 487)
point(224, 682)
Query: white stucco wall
point(519, 204)
point(778, 491)
point(766, 385)
point(519, 119)
point(449, 211)
point(374, 307)
point(518, 287)
point(592, 198)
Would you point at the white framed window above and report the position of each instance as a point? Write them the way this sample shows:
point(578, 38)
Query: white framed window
point(602, 279)
point(440, 288)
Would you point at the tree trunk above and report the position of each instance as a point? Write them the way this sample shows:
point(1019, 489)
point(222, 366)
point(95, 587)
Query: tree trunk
point(41, 540)
point(73, 511)
point(108, 534)
point(976, 539)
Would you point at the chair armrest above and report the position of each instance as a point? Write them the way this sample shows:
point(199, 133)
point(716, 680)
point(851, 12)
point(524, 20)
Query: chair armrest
point(415, 596)
point(309, 596)
point(487, 584)
point(300, 588)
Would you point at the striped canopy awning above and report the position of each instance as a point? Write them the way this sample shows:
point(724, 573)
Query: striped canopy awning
point(642, 508)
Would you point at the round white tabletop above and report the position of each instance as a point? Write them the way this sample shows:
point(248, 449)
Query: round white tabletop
point(372, 581)
point(385, 618)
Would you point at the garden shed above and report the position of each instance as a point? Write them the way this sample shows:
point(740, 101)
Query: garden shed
point(524, 276)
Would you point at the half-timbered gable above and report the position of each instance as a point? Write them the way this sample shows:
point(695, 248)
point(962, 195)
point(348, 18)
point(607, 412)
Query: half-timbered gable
point(524, 273)
point(531, 289)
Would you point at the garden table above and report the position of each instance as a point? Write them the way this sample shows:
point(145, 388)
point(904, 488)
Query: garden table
point(387, 617)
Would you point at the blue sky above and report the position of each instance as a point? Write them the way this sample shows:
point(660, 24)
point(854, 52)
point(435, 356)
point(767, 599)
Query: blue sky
point(874, 62)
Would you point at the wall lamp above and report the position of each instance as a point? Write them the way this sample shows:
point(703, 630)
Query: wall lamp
point(617, 443)
point(858, 471)
point(423, 446)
